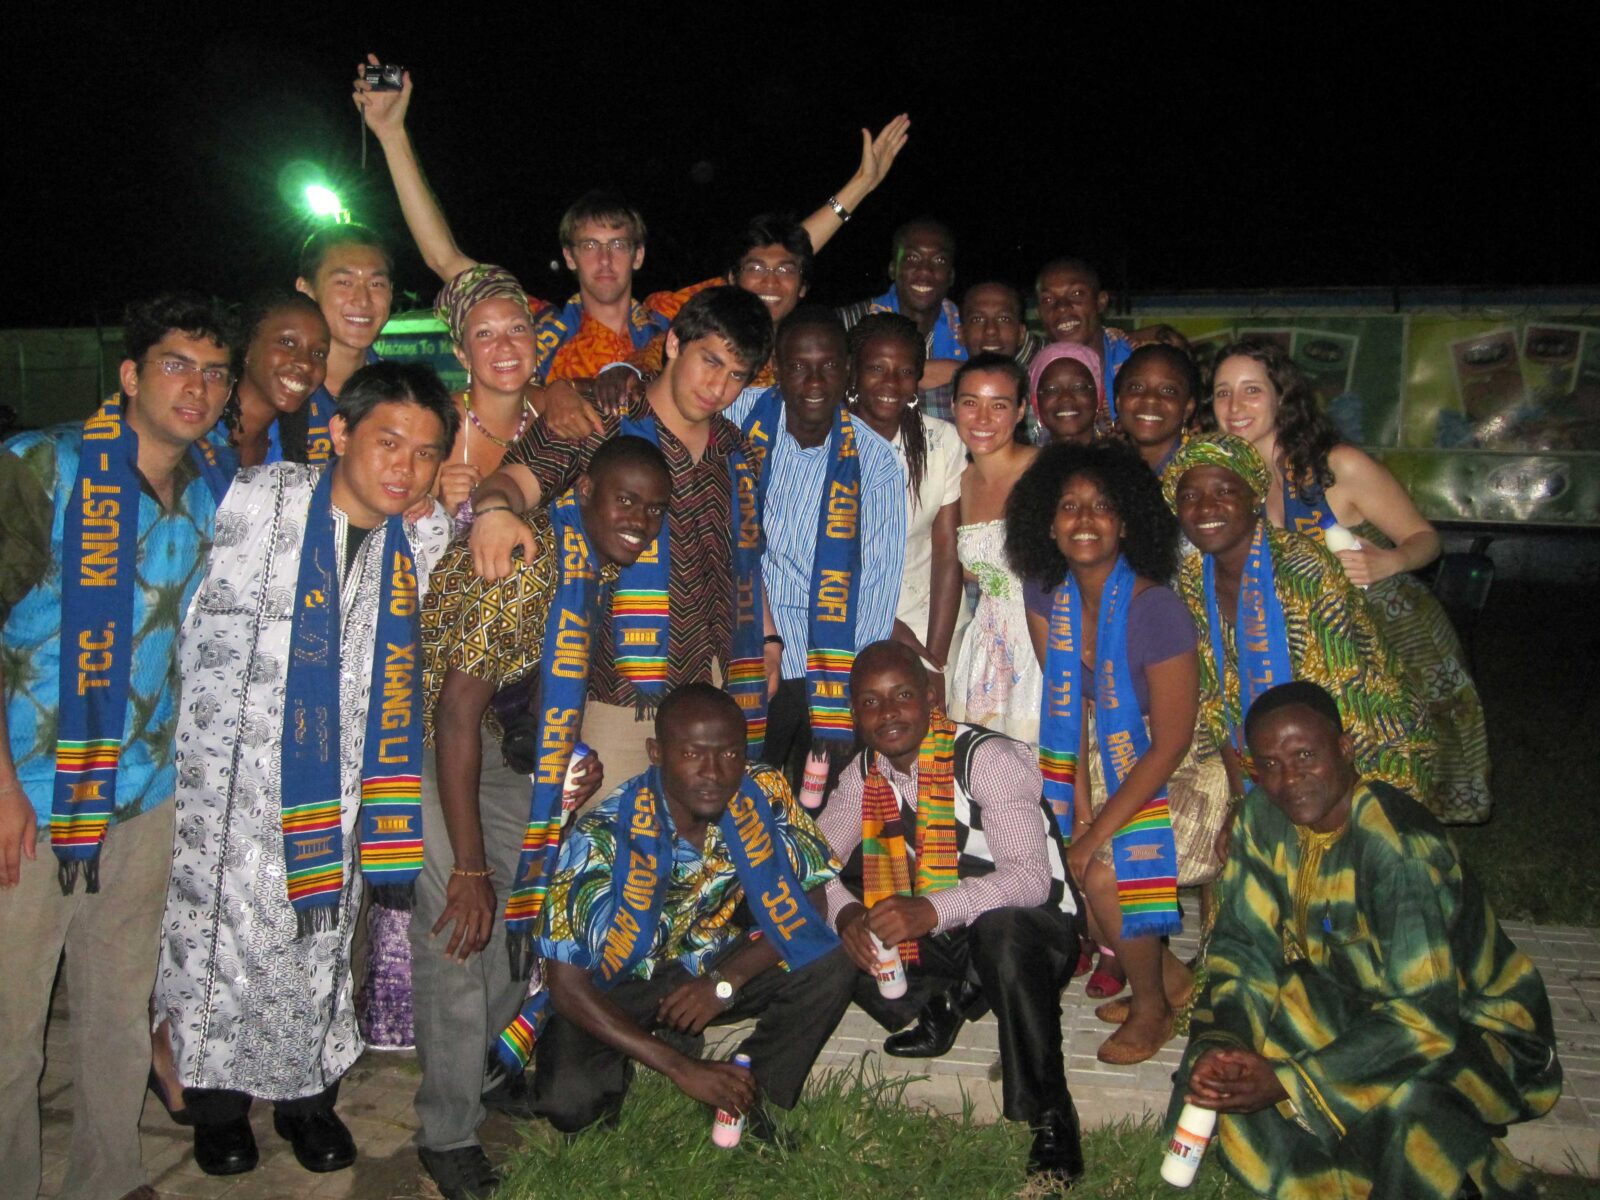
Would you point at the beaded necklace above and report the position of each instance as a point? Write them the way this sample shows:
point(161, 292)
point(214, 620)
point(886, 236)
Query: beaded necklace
point(503, 443)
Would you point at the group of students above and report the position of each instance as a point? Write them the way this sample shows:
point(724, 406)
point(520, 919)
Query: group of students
point(840, 663)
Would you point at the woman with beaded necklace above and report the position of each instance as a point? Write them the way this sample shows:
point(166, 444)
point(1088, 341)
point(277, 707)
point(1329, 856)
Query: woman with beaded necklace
point(487, 313)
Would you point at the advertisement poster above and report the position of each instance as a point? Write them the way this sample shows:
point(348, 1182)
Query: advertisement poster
point(1486, 417)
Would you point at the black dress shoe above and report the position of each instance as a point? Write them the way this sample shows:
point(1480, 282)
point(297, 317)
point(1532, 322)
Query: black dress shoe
point(461, 1174)
point(1057, 1150)
point(933, 1034)
point(226, 1148)
point(320, 1140)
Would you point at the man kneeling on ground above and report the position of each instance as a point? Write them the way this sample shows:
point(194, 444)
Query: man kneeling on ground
point(630, 952)
point(1367, 1027)
point(961, 868)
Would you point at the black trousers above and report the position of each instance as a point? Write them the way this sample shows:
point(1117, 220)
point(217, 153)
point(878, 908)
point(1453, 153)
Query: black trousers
point(217, 1106)
point(578, 1079)
point(1020, 958)
point(788, 731)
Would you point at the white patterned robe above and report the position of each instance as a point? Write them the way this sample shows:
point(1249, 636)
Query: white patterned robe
point(253, 1008)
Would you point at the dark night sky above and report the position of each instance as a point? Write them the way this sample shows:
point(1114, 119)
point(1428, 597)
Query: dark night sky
point(144, 150)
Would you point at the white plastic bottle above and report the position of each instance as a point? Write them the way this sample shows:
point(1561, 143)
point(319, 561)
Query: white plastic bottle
point(1188, 1145)
point(891, 971)
point(726, 1127)
point(815, 781)
point(569, 786)
point(1336, 538)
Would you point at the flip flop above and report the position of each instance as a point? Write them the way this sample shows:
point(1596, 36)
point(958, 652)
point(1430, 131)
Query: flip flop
point(1115, 1012)
point(1102, 984)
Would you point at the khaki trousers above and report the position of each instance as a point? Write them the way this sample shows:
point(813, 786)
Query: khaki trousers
point(111, 940)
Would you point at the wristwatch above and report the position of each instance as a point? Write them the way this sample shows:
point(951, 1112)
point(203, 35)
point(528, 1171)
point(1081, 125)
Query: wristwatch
point(723, 988)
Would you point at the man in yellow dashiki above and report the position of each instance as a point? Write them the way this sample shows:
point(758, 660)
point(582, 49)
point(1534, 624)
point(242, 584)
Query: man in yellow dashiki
point(1368, 1028)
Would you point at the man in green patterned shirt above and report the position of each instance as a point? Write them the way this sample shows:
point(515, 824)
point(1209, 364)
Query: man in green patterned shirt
point(1368, 1029)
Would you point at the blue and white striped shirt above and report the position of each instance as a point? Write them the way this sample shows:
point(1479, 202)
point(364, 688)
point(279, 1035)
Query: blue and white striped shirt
point(794, 478)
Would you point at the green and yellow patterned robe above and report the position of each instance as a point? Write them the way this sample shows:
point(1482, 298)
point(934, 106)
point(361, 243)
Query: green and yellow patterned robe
point(1404, 1025)
point(1333, 642)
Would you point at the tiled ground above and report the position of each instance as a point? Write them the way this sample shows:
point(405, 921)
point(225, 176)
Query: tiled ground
point(375, 1099)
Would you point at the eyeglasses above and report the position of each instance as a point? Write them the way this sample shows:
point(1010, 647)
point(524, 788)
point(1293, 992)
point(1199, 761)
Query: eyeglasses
point(590, 247)
point(178, 368)
point(760, 270)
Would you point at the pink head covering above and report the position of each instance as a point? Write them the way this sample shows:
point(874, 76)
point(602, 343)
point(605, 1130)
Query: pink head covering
point(1054, 352)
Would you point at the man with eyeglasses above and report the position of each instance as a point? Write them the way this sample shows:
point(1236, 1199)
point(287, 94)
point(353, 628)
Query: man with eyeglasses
point(603, 244)
point(103, 530)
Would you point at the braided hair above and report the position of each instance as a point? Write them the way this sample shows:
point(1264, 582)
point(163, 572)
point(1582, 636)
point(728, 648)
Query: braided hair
point(913, 433)
point(292, 426)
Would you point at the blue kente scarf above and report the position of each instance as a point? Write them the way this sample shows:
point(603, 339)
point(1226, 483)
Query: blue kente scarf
point(563, 685)
point(391, 769)
point(1308, 514)
point(944, 341)
point(835, 568)
point(641, 608)
point(643, 834)
point(319, 441)
point(1113, 353)
point(1143, 852)
point(100, 548)
point(1260, 634)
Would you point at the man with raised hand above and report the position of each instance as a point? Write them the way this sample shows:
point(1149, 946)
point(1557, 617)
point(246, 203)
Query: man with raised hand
point(603, 243)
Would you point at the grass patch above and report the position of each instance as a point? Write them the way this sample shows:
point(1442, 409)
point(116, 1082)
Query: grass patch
point(1535, 856)
point(858, 1140)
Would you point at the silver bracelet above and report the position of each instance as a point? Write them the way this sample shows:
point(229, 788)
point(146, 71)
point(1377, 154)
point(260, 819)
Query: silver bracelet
point(839, 210)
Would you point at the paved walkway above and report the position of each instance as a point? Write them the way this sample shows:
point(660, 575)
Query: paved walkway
point(375, 1099)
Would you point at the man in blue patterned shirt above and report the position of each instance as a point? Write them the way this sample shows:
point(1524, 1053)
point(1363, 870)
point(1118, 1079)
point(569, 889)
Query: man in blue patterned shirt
point(703, 967)
point(174, 382)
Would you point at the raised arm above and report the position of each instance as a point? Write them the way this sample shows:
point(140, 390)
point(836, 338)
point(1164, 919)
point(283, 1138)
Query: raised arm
point(877, 156)
point(385, 115)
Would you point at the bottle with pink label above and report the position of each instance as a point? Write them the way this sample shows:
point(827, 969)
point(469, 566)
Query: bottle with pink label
point(726, 1127)
point(815, 781)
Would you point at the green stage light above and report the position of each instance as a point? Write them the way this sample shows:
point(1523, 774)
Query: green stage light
point(323, 202)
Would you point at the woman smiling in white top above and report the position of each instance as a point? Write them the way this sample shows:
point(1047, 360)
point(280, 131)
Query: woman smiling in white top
point(887, 355)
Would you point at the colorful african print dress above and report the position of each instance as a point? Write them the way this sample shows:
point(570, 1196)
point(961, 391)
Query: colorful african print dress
point(1404, 1025)
point(1333, 642)
point(1416, 626)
